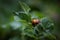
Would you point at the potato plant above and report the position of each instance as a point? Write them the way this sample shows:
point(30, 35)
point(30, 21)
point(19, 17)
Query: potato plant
point(29, 25)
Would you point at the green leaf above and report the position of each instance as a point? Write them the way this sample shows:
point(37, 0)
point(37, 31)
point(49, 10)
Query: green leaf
point(48, 24)
point(25, 17)
point(37, 14)
point(25, 7)
point(29, 32)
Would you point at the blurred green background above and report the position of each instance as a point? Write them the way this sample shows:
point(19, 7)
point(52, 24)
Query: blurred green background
point(11, 21)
